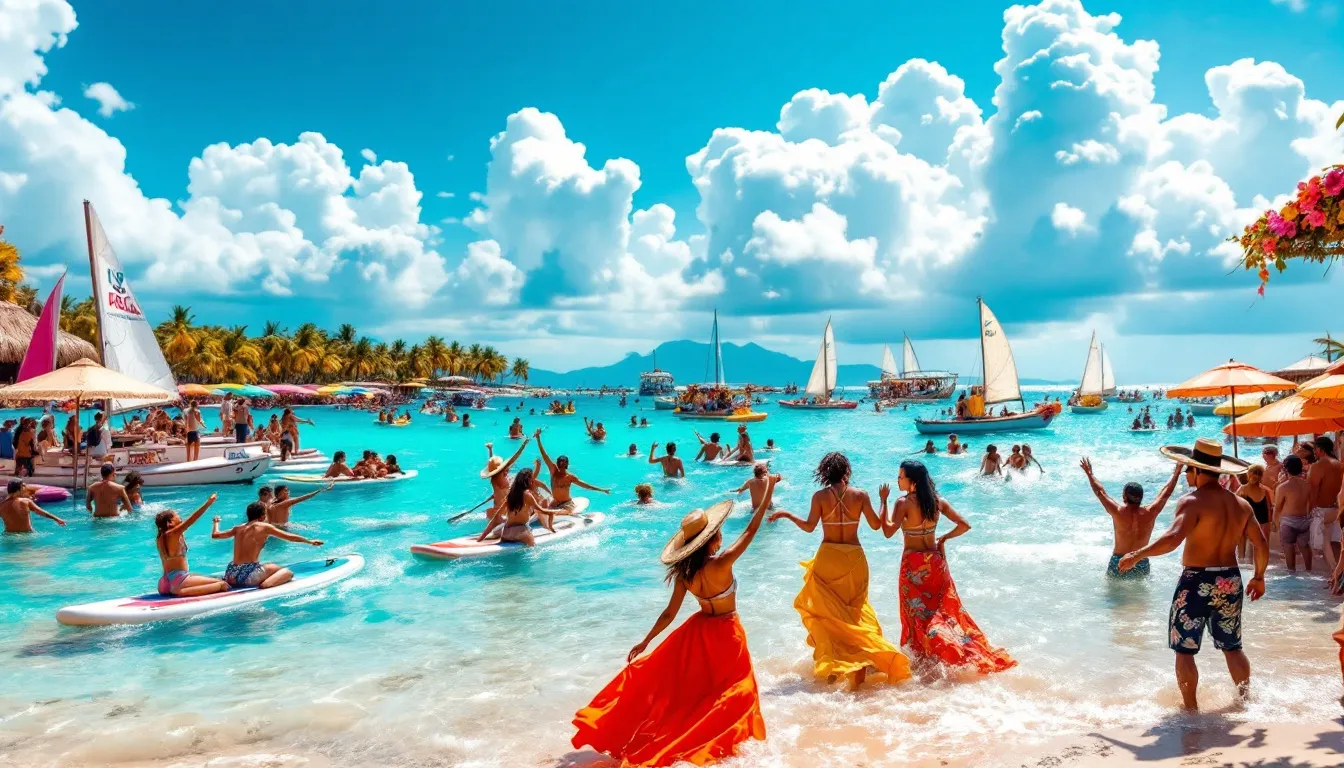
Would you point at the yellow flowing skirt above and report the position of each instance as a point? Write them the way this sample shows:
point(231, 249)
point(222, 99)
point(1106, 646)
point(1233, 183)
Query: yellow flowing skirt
point(841, 626)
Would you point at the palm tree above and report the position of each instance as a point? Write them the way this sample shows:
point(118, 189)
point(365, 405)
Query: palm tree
point(436, 355)
point(177, 335)
point(471, 364)
point(361, 361)
point(455, 359)
point(1332, 348)
point(11, 274)
point(520, 371)
point(79, 318)
point(26, 296)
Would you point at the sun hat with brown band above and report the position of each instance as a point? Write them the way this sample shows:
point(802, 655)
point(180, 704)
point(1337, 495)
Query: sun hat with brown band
point(492, 467)
point(1207, 455)
point(697, 529)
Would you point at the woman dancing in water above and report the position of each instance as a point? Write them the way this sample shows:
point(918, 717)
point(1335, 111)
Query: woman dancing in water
point(694, 698)
point(934, 625)
point(841, 626)
point(171, 541)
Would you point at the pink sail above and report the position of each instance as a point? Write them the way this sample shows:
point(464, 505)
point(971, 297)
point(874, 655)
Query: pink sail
point(41, 355)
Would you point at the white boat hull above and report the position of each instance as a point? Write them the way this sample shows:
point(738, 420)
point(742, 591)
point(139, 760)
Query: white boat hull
point(1087, 408)
point(665, 403)
point(1013, 423)
point(213, 471)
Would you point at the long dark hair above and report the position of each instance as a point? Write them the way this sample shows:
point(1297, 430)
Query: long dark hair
point(833, 469)
point(686, 568)
point(162, 520)
point(926, 494)
point(522, 483)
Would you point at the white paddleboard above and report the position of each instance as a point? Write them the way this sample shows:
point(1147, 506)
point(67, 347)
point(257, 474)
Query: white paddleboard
point(468, 546)
point(734, 463)
point(348, 482)
point(308, 576)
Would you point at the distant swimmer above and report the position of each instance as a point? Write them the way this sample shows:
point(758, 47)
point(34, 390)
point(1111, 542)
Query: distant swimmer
point(770, 445)
point(709, 449)
point(761, 481)
point(562, 478)
point(596, 431)
point(992, 463)
point(643, 494)
point(929, 447)
point(107, 498)
point(171, 542)
point(633, 450)
point(516, 429)
point(466, 420)
point(1016, 460)
point(634, 421)
point(277, 512)
point(1133, 523)
point(955, 446)
point(520, 504)
point(672, 466)
point(246, 570)
point(18, 508)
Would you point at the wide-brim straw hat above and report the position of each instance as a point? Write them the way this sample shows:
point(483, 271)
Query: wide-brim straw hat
point(1207, 455)
point(492, 467)
point(697, 529)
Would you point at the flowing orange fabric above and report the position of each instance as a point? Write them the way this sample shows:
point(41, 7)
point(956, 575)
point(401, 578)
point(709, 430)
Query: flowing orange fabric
point(693, 698)
point(934, 624)
point(841, 626)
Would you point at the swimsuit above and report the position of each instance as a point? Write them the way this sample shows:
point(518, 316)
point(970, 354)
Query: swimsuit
point(171, 582)
point(1206, 596)
point(515, 532)
point(707, 603)
point(1320, 532)
point(1140, 570)
point(244, 574)
point(1295, 530)
point(193, 436)
point(1261, 509)
point(240, 433)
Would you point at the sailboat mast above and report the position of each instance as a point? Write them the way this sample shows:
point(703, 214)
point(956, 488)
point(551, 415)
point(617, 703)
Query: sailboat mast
point(980, 322)
point(826, 361)
point(93, 269)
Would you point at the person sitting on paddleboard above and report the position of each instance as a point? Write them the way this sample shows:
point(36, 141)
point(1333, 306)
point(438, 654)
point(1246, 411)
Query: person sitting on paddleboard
point(277, 511)
point(171, 542)
point(338, 466)
point(18, 507)
point(497, 472)
point(246, 570)
point(562, 478)
point(519, 507)
point(709, 449)
point(392, 467)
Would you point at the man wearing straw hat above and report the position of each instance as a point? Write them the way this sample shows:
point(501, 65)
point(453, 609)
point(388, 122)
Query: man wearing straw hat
point(1211, 521)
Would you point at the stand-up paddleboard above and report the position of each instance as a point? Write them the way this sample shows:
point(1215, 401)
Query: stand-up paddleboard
point(348, 482)
point(579, 507)
point(295, 467)
point(308, 576)
point(734, 463)
point(1143, 429)
point(468, 546)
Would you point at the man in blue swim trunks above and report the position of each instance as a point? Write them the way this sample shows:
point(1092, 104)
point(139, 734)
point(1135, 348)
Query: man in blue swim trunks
point(1133, 522)
point(246, 570)
point(1212, 522)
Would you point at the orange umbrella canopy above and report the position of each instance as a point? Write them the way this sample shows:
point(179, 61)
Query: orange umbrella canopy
point(1324, 388)
point(1295, 415)
point(1230, 376)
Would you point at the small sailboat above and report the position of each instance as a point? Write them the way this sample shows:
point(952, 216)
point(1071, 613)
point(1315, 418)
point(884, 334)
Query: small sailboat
point(1001, 385)
point(820, 385)
point(911, 384)
point(715, 401)
point(1089, 397)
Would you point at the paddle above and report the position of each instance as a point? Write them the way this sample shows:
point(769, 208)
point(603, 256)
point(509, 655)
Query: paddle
point(461, 515)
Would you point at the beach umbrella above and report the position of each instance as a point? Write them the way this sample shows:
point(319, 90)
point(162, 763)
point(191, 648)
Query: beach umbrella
point(82, 380)
point(194, 390)
point(1324, 388)
point(1229, 379)
point(288, 389)
point(1242, 404)
point(1295, 415)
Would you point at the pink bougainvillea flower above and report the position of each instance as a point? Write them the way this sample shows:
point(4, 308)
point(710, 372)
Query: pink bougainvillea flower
point(1334, 182)
point(1316, 218)
point(1276, 223)
point(1261, 289)
point(1269, 245)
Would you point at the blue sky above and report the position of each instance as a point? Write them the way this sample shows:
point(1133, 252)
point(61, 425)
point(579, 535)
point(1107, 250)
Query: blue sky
point(584, 274)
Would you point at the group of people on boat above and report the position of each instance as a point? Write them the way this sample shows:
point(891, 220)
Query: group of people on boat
point(715, 399)
point(390, 416)
point(369, 466)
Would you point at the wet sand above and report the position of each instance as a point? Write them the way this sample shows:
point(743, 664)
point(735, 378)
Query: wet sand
point(1207, 740)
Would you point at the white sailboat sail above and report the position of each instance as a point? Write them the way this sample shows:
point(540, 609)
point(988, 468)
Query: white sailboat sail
point(720, 376)
point(909, 363)
point(822, 380)
point(889, 369)
point(1091, 383)
point(1107, 375)
point(128, 342)
point(1000, 370)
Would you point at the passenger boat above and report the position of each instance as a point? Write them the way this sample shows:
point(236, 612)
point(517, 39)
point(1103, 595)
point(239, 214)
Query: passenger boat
point(1001, 385)
point(656, 383)
point(211, 471)
point(739, 405)
point(1089, 397)
point(912, 384)
point(821, 384)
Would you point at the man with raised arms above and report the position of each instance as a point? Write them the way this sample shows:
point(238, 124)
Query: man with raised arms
point(672, 466)
point(246, 570)
point(1133, 522)
point(17, 509)
point(596, 431)
point(277, 512)
point(710, 449)
point(107, 497)
point(1211, 522)
point(562, 479)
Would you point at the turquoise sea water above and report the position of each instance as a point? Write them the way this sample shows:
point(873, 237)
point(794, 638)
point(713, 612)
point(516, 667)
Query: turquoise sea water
point(483, 663)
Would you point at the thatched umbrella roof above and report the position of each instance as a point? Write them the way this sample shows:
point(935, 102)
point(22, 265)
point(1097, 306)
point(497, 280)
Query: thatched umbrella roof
point(16, 330)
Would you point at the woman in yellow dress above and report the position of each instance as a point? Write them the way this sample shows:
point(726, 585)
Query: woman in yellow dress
point(841, 626)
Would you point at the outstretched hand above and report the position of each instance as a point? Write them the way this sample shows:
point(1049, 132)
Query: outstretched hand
point(1086, 464)
point(883, 492)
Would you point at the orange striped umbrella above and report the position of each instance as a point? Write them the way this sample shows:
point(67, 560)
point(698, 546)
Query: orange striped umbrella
point(1295, 415)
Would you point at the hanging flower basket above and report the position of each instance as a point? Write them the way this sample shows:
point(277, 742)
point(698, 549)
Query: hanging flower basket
point(1310, 227)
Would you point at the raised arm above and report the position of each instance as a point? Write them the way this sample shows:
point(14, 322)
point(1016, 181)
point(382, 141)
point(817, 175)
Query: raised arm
point(736, 549)
point(544, 456)
point(653, 448)
point(813, 516)
point(516, 455)
point(1167, 542)
point(664, 620)
point(1107, 502)
point(890, 522)
point(866, 509)
point(1165, 494)
point(959, 525)
point(308, 496)
point(215, 533)
point(190, 521)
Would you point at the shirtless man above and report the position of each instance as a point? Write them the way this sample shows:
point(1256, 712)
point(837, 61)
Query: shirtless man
point(1325, 478)
point(195, 426)
point(761, 481)
point(742, 452)
point(992, 463)
point(1273, 467)
point(338, 466)
point(242, 422)
point(672, 466)
point(107, 498)
point(1292, 507)
point(17, 509)
point(562, 479)
point(515, 519)
point(277, 512)
point(710, 449)
point(246, 570)
point(954, 446)
point(1133, 523)
point(1211, 521)
point(596, 431)
point(1019, 462)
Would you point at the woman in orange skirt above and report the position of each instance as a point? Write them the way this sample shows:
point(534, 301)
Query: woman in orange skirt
point(694, 697)
point(934, 625)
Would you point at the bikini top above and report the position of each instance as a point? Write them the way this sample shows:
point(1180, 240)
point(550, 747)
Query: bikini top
point(927, 530)
point(163, 545)
point(839, 505)
point(707, 603)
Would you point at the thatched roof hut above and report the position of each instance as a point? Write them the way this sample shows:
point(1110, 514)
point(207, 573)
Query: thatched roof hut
point(16, 330)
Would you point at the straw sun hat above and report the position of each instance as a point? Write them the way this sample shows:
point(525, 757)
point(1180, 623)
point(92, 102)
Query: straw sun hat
point(492, 467)
point(697, 528)
point(1207, 455)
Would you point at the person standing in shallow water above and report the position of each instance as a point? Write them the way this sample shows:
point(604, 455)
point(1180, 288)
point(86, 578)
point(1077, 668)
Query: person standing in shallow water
point(1132, 522)
point(694, 698)
point(1211, 521)
point(934, 625)
point(842, 627)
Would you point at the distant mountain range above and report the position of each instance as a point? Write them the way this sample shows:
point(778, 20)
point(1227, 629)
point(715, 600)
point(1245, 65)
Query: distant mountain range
point(686, 361)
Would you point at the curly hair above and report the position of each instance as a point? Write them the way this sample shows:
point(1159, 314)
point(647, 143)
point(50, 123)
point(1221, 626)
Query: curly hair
point(833, 469)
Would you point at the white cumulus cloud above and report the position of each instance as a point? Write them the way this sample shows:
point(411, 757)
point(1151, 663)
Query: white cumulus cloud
point(109, 100)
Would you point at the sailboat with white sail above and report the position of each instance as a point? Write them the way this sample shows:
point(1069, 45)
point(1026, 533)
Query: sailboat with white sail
point(911, 384)
point(715, 400)
point(1090, 395)
point(1001, 385)
point(821, 384)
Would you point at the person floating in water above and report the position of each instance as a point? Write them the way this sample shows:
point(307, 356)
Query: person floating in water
point(17, 509)
point(246, 570)
point(709, 449)
point(1133, 523)
point(934, 624)
point(694, 698)
point(562, 479)
point(596, 432)
point(841, 626)
point(1211, 522)
point(171, 542)
point(672, 466)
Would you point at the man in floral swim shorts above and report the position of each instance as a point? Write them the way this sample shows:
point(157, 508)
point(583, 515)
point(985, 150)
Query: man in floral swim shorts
point(1211, 521)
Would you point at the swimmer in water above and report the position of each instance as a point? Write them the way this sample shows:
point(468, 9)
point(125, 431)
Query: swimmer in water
point(672, 466)
point(633, 450)
point(643, 494)
point(596, 431)
point(709, 449)
point(18, 508)
point(134, 482)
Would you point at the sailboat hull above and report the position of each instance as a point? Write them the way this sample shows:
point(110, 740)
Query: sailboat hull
point(1012, 423)
point(746, 418)
point(1088, 408)
point(834, 405)
point(665, 403)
